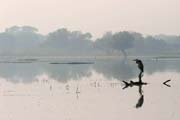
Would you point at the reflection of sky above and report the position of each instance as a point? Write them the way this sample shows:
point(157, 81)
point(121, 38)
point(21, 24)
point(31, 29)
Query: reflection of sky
point(90, 91)
point(118, 68)
point(46, 100)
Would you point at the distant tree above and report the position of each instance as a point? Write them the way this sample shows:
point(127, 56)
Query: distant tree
point(18, 40)
point(66, 42)
point(154, 46)
point(25, 39)
point(29, 29)
point(12, 30)
point(122, 41)
point(103, 44)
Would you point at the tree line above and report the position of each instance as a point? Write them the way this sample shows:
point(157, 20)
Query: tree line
point(26, 40)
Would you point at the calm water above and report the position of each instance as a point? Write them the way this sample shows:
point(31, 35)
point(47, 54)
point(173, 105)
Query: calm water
point(39, 88)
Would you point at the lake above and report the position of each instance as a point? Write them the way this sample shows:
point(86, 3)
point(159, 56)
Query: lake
point(88, 88)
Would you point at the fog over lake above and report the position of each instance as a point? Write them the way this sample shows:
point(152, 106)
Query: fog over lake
point(34, 88)
point(89, 59)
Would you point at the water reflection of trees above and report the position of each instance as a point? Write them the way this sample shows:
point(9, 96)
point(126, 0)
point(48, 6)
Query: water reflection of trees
point(124, 69)
point(19, 72)
point(66, 72)
point(121, 69)
point(27, 72)
point(152, 66)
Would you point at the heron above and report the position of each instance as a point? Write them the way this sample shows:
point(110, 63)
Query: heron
point(140, 65)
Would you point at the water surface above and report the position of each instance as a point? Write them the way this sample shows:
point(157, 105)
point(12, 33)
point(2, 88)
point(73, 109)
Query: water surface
point(34, 89)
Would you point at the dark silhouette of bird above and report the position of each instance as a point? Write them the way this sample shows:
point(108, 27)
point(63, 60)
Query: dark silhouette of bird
point(140, 65)
point(139, 83)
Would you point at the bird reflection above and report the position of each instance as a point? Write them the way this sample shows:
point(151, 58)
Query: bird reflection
point(141, 98)
point(139, 84)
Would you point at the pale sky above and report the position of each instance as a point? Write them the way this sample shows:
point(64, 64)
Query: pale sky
point(95, 16)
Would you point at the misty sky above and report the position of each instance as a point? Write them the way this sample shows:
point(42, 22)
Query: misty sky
point(95, 16)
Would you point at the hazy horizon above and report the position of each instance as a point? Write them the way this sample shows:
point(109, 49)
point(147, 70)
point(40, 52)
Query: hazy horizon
point(95, 16)
point(89, 59)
